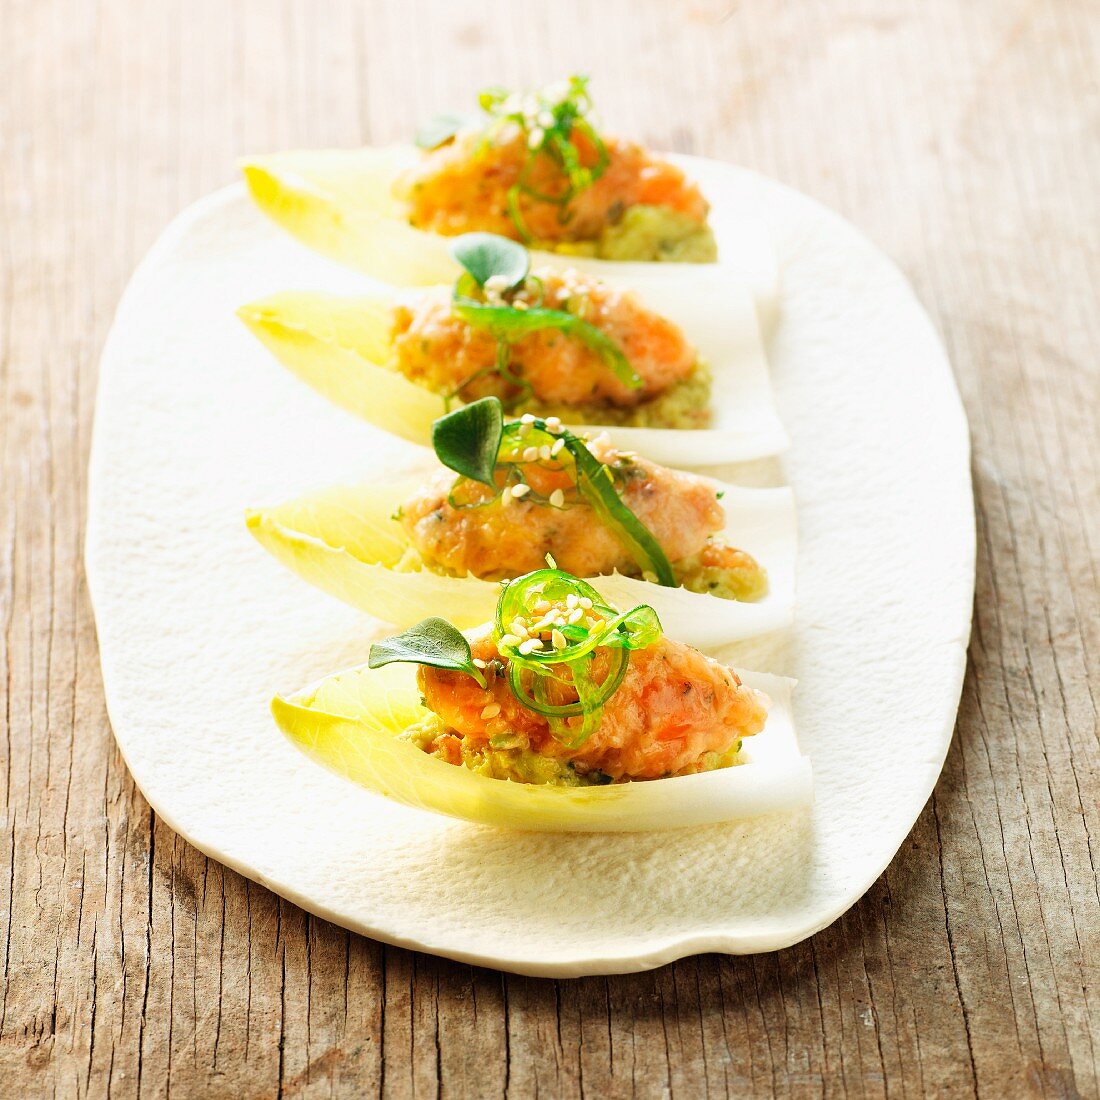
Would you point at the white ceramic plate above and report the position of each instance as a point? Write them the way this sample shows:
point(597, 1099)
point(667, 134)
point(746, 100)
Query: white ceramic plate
point(198, 627)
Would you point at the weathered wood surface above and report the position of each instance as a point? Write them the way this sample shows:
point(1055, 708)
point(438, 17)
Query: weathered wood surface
point(964, 139)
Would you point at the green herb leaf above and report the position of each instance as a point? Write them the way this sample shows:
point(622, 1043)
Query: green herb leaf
point(439, 130)
point(598, 489)
point(484, 255)
point(468, 440)
point(432, 642)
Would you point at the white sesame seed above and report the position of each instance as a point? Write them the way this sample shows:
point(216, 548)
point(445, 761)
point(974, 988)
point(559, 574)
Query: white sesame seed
point(527, 418)
point(496, 282)
point(571, 600)
point(557, 499)
point(491, 711)
point(558, 639)
point(585, 602)
point(576, 615)
point(544, 452)
point(553, 424)
point(479, 663)
point(530, 645)
point(530, 454)
point(558, 444)
point(520, 490)
point(519, 628)
point(546, 119)
point(535, 138)
point(509, 640)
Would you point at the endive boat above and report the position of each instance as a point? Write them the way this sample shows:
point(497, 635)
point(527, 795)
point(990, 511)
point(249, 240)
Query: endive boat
point(561, 714)
point(716, 561)
point(533, 167)
point(671, 366)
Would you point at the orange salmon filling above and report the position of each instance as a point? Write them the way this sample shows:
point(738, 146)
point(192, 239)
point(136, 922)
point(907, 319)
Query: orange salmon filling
point(463, 186)
point(512, 536)
point(441, 351)
point(673, 709)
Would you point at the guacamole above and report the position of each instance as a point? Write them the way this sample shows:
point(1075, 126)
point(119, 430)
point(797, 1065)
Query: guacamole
point(647, 233)
point(685, 404)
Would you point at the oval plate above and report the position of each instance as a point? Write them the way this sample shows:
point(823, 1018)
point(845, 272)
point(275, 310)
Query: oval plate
point(198, 627)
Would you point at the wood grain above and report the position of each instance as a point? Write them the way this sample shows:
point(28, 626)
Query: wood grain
point(965, 140)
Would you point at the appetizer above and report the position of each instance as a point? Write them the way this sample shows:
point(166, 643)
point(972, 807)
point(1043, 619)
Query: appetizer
point(562, 713)
point(536, 169)
point(533, 166)
point(507, 494)
point(548, 341)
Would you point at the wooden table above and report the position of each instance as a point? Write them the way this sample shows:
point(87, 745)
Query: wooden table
point(964, 138)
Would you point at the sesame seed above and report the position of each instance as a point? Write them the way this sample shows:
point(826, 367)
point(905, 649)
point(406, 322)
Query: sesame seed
point(527, 418)
point(571, 600)
point(576, 615)
point(558, 444)
point(479, 663)
point(491, 711)
point(535, 138)
point(585, 602)
point(558, 639)
point(519, 628)
point(557, 498)
point(509, 640)
point(545, 119)
point(530, 645)
point(553, 424)
point(520, 490)
point(530, 454)
point(544, 452)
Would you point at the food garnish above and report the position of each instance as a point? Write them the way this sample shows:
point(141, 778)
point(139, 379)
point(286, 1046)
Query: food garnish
point(566, 648)
point(550, 120)
point(432, 642)
point(496, 292)
point(477, 444)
